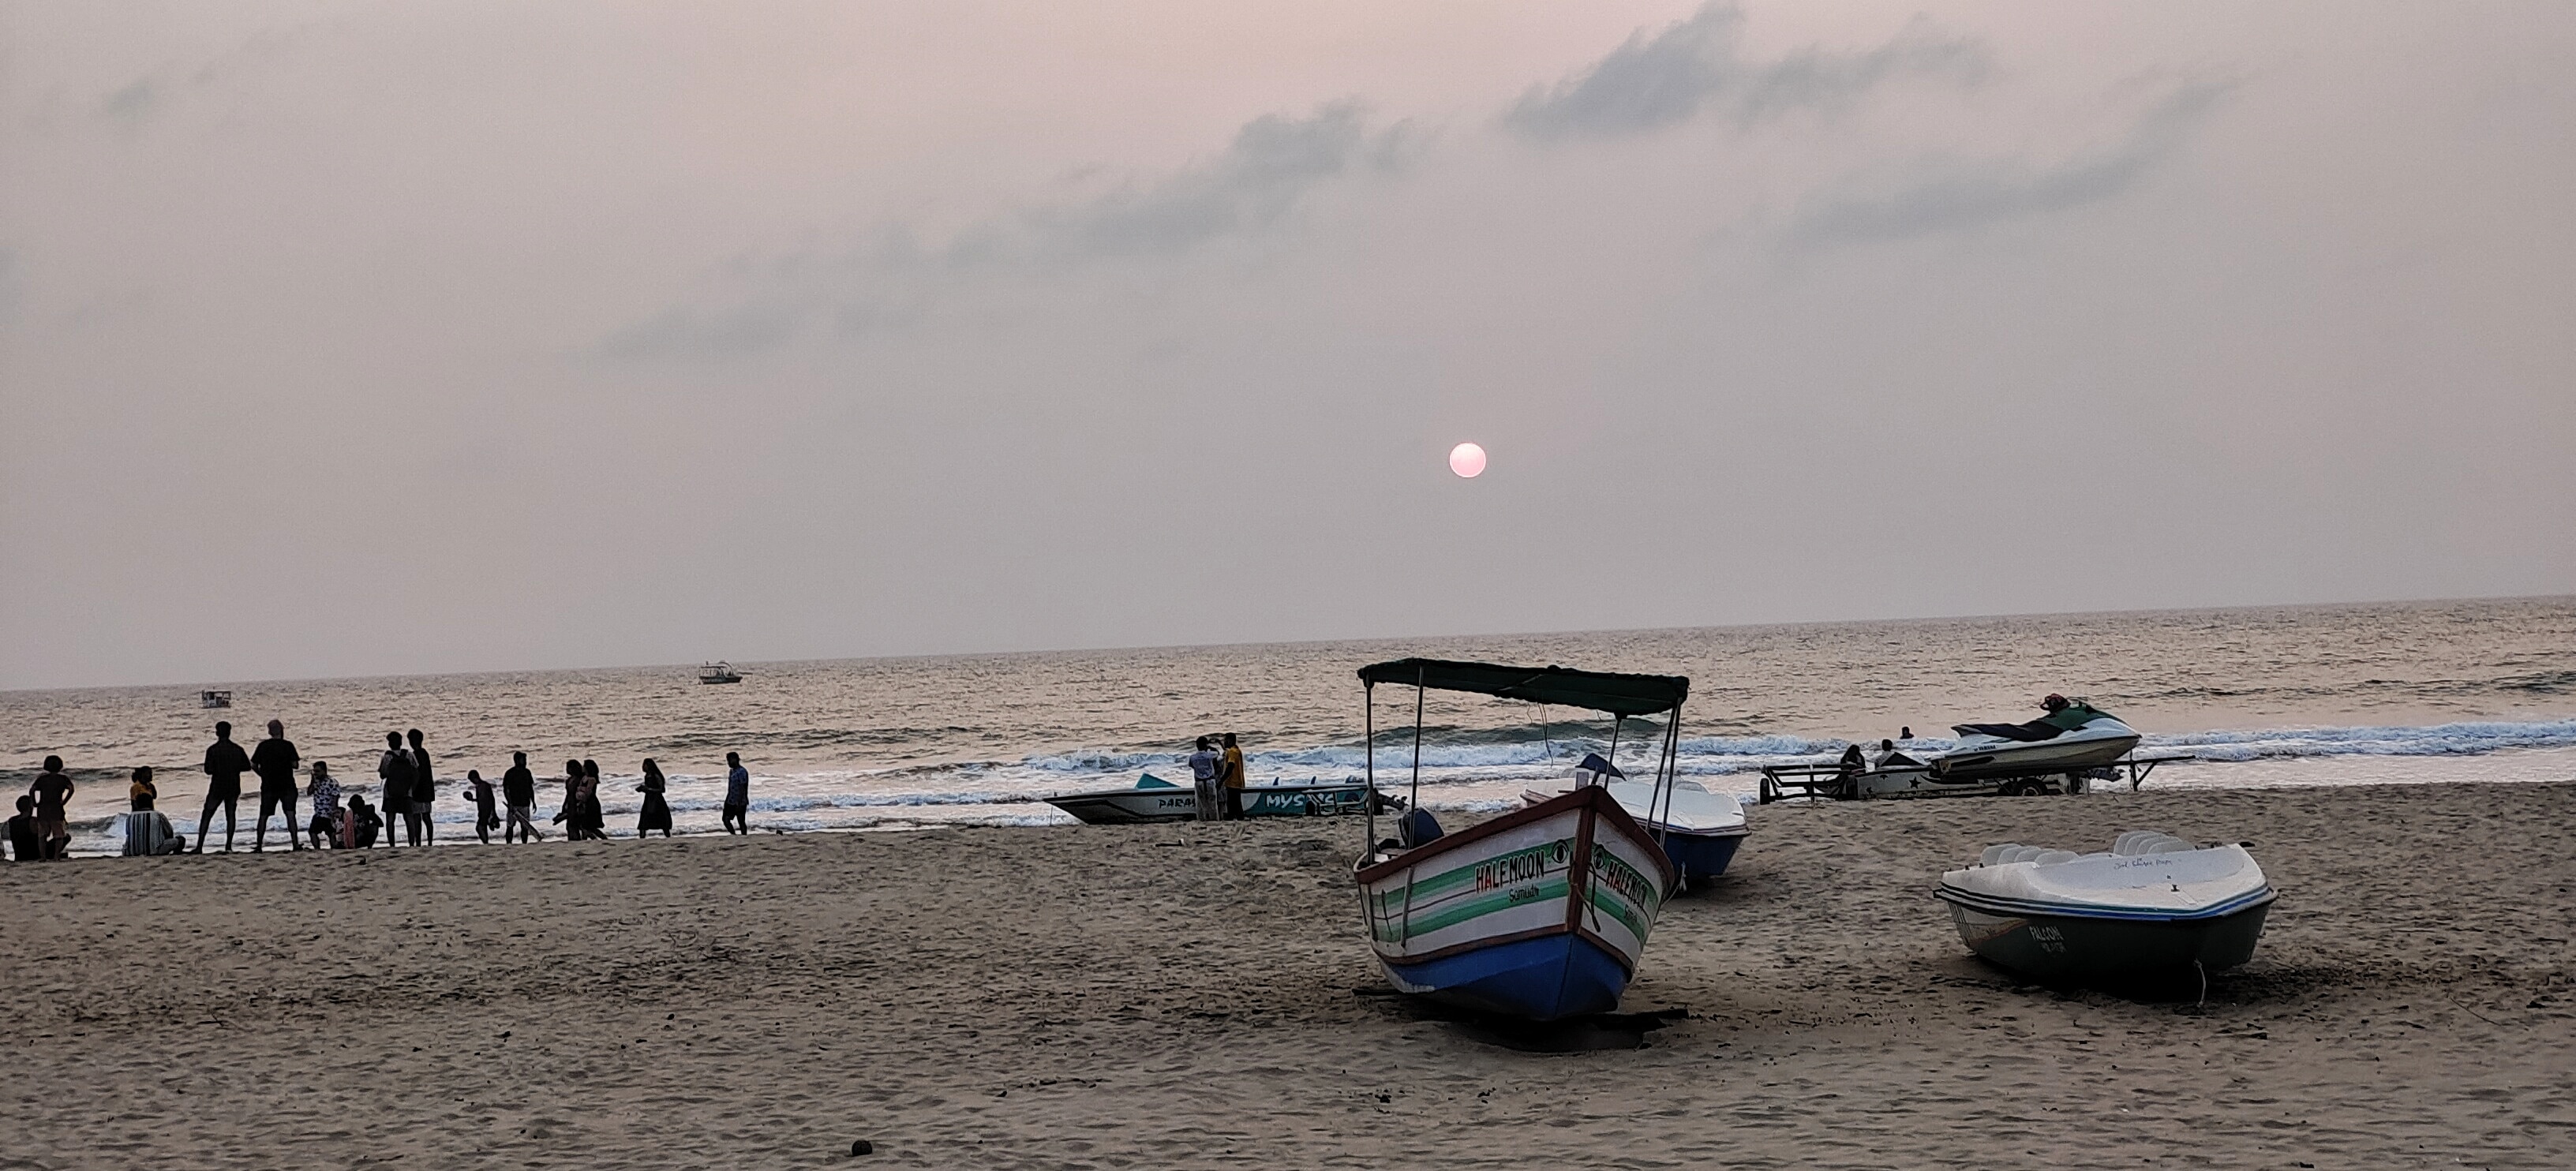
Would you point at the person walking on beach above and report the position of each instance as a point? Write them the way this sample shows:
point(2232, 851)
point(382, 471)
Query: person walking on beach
point(53, 793)
point(1230, 778)
point(140, 795)
point(657, 812)
point(424, 791)
point(275, 760)
point(519, 792)
point(485, 820)
point(394, 768)
point(325, 795)
point(594, 820)
point(1204, 764)
point(737, 802)
point(569, 815)
point(225, 764)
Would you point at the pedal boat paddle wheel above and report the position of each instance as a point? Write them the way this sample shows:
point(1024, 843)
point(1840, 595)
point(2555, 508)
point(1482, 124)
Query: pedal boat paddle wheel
point(1542, 912)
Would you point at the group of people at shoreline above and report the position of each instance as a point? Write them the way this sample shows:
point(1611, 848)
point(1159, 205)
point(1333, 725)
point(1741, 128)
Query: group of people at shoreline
point(342, 818)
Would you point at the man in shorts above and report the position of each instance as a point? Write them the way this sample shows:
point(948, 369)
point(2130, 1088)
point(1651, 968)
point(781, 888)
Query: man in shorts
point(737, 802)
point(225, 764)
point(519, 792)
point(53, 793)
point(395, 770)
point(275, 760)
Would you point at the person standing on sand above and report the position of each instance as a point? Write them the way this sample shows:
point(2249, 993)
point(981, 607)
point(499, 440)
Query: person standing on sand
point(485, 820)
point(225, 764)
point(1230, 778)
point(565, 815)
point(395, 770)
point(326, 806)
point(593, 820)
point(424, 792)
point(1204, 764)
point(53, 793)
point(519, 792)
point(737, 802)
point(25, 843)
point(275, 760)
point(657, 812)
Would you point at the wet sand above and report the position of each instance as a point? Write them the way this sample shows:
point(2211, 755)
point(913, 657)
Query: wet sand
point(1200, 996)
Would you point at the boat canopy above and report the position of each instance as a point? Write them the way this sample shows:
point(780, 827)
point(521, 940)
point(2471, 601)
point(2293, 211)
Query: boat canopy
point(1601, 691)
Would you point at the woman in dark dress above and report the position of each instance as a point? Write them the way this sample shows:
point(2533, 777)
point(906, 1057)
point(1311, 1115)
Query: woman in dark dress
point(657, 812)
point(594, 821)
point(569, 816)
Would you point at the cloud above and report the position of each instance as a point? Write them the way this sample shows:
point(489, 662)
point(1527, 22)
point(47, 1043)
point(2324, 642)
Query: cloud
point(1697, 65)
point(1964, 195)
point(1271, 168)
point(132, 103)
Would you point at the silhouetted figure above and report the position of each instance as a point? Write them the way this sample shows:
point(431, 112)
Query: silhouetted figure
point(26, 842)
point(275, 760)
point(325, 794)
point(424, 794)
point(364, 822)
point(147, 832)
point(519, 792)
point(1229, 778)
point(1905, 733)
point(53, 793)
point(140, 795)
point(225, 764)
point(657, 812)
point(394, 768)
point(569, 815)
point(737, 802)
point(485, 818)
point(594, 820)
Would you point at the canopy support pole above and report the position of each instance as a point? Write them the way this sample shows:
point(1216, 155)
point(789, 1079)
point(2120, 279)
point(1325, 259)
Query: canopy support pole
point(1368, 765)
point(1414, 801)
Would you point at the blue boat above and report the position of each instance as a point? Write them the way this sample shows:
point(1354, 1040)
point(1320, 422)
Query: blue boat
point(1541, 913)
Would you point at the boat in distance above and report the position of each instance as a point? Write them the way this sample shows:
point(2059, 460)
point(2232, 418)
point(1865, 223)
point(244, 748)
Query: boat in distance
point(1701, 830)
point(2153, 903)
point(1154, 799)
point(718, 672)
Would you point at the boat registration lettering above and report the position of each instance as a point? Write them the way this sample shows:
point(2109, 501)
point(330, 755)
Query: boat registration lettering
point(1612, 871)
point(1520, 866)
point(2049, 939)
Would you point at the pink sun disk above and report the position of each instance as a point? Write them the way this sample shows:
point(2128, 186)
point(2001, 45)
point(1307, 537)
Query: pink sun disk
point(1468, 460)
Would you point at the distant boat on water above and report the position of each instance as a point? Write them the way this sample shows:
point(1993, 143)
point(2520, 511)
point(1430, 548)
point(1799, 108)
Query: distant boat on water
point(718, 672)
point(214, 699)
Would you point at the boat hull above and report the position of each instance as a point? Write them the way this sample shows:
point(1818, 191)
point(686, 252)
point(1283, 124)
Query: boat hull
point(1547, 978)
point(1700, 857)
point(2063, 947)
point(1541, 913)
point(1145, 806)
point(2042, 756)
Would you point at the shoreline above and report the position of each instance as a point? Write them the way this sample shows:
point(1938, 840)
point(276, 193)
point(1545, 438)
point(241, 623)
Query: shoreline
point(1200, 995)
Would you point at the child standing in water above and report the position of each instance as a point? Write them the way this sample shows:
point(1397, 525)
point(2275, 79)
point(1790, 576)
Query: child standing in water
point(485, 819)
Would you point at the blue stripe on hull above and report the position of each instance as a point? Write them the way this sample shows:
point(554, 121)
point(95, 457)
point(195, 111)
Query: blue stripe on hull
point(1701, 855)
point(1540, 979)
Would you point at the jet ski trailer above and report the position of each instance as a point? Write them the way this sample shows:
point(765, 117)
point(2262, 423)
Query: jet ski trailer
point(2075, 743)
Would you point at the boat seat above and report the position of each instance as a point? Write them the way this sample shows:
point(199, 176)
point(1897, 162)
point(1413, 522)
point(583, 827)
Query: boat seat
point(2030, 733)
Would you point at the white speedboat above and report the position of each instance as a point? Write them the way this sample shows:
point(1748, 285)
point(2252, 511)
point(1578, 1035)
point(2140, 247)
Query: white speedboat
point(718, 672)
point(2153, 904)
point(1700, 830)
point(2073, 736)
point(1155, 799)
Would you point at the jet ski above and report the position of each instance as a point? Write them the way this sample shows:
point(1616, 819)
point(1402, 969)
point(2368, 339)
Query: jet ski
point(2073, 736)
point(2154, 904)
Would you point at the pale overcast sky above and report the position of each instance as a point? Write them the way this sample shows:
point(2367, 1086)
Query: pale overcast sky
point(361, 339)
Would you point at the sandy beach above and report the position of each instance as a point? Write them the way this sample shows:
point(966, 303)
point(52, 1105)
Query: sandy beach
point(1199, 996)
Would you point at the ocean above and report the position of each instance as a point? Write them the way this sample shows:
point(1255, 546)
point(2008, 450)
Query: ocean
point(2426, 692)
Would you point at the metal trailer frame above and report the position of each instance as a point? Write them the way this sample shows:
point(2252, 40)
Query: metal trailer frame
point(1833, 782)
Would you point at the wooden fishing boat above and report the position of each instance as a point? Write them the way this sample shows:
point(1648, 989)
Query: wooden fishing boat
point(1541, 913)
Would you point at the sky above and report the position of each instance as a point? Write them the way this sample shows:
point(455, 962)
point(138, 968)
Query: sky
point(356, 339)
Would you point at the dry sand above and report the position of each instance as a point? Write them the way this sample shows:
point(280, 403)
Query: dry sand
point(1200, 996)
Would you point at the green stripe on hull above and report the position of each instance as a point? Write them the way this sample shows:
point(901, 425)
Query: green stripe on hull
point(1496, 872)
point(1393, 928)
